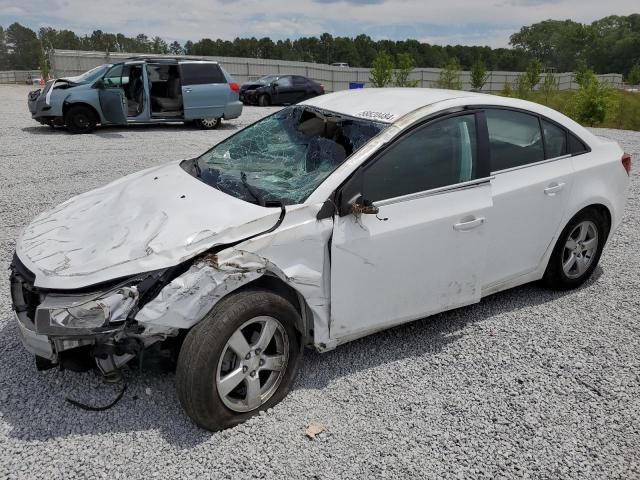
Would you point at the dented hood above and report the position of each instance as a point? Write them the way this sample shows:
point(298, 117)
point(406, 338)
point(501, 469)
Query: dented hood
point(152, 219)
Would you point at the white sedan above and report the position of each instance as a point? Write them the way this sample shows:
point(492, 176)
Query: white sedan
point(324, 222)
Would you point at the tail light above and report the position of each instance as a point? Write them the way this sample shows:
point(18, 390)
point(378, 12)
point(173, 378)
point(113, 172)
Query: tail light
point(235, 87)
point(626, 163)
point(322, 88)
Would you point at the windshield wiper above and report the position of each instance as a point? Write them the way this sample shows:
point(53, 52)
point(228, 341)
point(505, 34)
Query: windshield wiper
point(251, 190)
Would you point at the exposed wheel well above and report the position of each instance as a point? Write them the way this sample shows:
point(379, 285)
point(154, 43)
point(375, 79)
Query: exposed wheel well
point(603, 211)
point(66, 106)
point(276, 285)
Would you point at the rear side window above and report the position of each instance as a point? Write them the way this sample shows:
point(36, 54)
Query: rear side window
point(555, 140)
point(436, 155)
point(576, 146)
point(514, 139)
point(201, 73)
point(299, 80)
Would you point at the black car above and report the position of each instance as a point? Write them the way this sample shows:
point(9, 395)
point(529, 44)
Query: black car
point(279, 89)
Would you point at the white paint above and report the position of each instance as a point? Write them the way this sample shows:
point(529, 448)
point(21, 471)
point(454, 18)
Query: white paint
point(378, 274)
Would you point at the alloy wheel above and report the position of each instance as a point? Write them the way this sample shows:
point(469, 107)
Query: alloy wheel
point(252, 364)
point(580, 249)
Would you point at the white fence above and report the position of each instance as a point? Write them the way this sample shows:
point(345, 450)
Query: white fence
point(73, 62)
point(19, 76)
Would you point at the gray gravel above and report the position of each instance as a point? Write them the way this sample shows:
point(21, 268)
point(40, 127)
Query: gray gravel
point(528, 383)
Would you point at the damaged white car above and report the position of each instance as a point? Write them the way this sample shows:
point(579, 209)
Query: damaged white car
point(322, 223)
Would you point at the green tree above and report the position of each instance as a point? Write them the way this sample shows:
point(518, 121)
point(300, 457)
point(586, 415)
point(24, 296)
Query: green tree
point(24, 46)
point(533, 73)
point(382, 70)
point(523, 87)
point(4, 52)
point(479, 75)
point(405, 66)
point(549, 85)
point(450, 75)
point(634, 75)
point(176, 49)
point(158, 45)
point(593, 101)
point(506, 91)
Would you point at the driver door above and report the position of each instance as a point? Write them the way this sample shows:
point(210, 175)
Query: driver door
point(424, 251)
point(113, 102)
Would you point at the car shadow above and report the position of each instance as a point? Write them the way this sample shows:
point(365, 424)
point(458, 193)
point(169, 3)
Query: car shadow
point(114, 131)
point(150, 402)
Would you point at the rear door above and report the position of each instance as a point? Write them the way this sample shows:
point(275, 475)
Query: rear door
point(205, 91)
point(113, 102)
point(531, 185)
point(300, 87)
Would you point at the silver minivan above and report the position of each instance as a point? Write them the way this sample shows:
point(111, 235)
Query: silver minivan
point(139, 90)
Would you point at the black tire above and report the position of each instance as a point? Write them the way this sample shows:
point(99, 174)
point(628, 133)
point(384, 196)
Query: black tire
point(209, 123)
point(204, 345)
point(80, 119)
point(555, 276)
point(264, 100)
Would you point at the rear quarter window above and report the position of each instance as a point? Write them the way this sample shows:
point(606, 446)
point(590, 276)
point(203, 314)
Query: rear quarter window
point(201, 73)
point(576, 146)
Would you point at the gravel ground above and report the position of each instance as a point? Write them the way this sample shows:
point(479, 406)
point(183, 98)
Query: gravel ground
point(528, 383)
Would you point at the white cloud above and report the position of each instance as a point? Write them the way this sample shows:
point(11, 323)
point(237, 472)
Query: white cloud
point(490, 23)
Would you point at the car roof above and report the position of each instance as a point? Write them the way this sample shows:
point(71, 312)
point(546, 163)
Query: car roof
point(164, 59)
point(383, 104)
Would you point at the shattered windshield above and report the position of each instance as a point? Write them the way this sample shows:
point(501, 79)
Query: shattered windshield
point(284, 157)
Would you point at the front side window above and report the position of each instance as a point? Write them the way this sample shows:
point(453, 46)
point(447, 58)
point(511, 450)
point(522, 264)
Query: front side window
point(284, 82)
point(437, 155)
point(283, 157)
point(113, 78)
point(514, 139)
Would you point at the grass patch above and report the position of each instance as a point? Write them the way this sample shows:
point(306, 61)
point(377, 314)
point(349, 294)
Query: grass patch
point(624, 113)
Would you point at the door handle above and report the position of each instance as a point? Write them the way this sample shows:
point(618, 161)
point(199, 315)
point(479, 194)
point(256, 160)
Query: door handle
point(553, 188)
point(468, 223)
point(187, 90)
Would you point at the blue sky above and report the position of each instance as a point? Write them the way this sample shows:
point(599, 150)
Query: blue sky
point(467, 22)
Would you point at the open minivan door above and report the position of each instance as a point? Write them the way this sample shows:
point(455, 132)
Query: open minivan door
point(113, 102)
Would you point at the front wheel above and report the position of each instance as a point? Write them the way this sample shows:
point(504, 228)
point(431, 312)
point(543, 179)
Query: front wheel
point(240, 359)
point(80, 119)
point(209, 123)
point(578, 250)
point(264, 100)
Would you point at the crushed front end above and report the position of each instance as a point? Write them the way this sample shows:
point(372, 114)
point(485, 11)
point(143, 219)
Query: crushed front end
point(65, 327)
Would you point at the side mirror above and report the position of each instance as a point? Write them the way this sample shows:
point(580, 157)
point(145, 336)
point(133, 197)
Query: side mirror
point(98, 83)
point(274, 84)
point(362, 206)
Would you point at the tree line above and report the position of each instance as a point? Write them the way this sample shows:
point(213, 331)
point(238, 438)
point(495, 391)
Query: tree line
point(608, 45)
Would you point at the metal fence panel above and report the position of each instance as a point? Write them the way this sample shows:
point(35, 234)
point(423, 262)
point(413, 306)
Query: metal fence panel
point(19, 76)
point(72, 62)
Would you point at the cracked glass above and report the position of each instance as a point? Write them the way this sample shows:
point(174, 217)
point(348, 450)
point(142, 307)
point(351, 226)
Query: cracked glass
point(283, 157)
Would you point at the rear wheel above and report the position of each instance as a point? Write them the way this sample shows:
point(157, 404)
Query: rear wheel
point(80, 119)
point(209, 123)
point(264, 100)
point(242, 358)
point(578, 250)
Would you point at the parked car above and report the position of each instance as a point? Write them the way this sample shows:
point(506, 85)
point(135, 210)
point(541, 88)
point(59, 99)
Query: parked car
point(340, 64)
point(139, 90)
point(322, 223)
point(279, 89)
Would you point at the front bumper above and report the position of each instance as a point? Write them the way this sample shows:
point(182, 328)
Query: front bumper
point(44, 346)
point(248, 96)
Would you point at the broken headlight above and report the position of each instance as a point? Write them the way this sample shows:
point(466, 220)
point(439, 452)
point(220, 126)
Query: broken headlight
point(113, 307)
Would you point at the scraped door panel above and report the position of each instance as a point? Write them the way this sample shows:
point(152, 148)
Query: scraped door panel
point(427, 257)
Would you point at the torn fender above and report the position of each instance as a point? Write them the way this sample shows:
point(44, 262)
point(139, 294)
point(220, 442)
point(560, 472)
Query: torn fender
point(297, 253)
